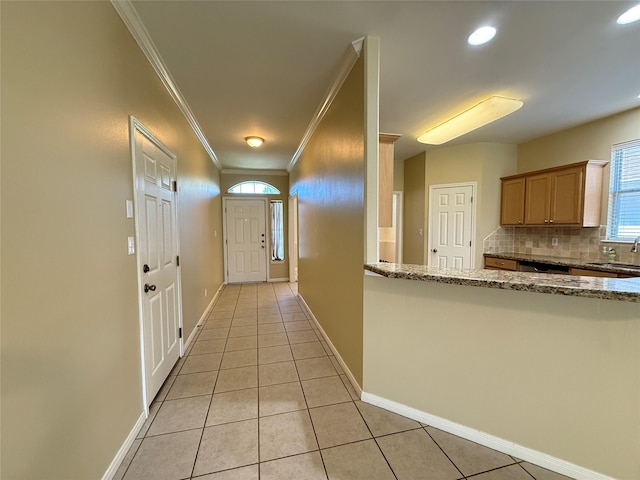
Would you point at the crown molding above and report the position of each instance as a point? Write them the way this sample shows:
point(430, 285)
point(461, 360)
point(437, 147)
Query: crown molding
point(348, 61)
point(253, 171)
point(133, 22)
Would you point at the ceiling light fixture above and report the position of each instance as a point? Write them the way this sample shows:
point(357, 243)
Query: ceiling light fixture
point(630, 16)
point(487, 111)
point(254, 142)
point(481, 36)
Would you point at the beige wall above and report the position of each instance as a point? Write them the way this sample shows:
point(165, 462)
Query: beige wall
point(277, 270)
point(483, 163)
point(590, 141)
point(71, 382)
point(329, 180)
point(557, 374)
point(414, 209)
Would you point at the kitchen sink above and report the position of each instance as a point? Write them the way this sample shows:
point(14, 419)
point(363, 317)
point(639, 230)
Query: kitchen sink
point(616, 265)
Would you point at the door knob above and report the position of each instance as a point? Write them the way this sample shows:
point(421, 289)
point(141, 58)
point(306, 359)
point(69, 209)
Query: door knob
point(145, 268)
point(148, 287)
point(435, 250)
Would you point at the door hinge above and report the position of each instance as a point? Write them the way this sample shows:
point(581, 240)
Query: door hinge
point(469, 242)
point(175, 186)
point(472, 199)
point(178, 261)
point(180, 332)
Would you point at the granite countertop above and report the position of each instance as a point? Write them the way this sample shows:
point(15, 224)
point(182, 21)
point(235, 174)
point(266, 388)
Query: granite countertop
point(568, 262)
point(627, 289)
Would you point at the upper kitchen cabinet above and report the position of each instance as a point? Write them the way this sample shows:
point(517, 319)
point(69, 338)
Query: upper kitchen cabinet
point(385, 179)
point(567, 195)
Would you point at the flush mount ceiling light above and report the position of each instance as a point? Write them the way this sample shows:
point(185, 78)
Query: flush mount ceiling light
point(485, 112)
point(254, 142)
point(481, 36)
point(630, 16)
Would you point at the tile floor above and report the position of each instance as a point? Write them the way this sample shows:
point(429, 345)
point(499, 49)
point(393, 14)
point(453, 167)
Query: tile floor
point(260, 396)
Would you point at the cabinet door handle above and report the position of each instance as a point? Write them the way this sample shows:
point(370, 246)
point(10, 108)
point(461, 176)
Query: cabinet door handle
point(550, 221)
point(546, 221)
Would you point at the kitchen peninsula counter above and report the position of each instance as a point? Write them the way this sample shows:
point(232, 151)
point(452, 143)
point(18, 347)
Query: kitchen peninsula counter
point(627, 289)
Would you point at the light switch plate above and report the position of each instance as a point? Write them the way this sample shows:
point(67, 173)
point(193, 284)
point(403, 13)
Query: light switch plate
point(131, 245)
point(129, 209)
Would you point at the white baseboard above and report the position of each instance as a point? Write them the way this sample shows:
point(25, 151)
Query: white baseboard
point(283, 279)
point(533, 456)
point(335, 352)
point(115, 464)
point(203, 317)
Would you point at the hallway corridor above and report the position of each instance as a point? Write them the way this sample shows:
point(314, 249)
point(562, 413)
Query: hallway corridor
point(259, 395)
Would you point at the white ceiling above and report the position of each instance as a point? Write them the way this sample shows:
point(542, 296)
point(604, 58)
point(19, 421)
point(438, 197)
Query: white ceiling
point(263, 67)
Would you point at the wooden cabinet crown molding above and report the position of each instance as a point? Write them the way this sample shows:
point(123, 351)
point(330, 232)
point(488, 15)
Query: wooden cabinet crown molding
point(565, 195)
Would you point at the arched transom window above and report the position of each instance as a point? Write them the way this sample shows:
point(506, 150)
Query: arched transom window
point(254, 187)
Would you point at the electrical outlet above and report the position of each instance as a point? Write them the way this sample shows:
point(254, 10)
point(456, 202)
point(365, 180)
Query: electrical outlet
point(554, 242)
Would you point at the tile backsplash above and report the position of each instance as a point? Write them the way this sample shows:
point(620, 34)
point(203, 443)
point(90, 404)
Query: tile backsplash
point(567, 242)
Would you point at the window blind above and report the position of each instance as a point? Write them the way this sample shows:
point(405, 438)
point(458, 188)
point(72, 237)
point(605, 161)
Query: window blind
point(624, 192)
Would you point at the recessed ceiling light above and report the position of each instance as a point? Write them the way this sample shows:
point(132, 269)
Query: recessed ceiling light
point(254, 142)
point(630, 16)
point(482, 35)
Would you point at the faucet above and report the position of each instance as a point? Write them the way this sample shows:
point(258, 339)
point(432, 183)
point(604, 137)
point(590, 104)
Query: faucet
point(634, 249)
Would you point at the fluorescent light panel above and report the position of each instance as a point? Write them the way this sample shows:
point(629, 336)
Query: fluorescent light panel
point(485, 112)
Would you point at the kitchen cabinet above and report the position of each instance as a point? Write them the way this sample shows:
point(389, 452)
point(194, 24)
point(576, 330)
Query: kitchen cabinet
point(496, 263)
point(512, 202)
point(567, 195)
point(385, 179)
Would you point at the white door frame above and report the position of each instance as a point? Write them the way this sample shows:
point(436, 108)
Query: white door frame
point(293, 235)
point(267, 227)
point(474, 191)
point(136, 126)
point(399, 224)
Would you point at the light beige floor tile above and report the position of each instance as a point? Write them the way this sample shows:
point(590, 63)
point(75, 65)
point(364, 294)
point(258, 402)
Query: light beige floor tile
point(242, 473)
point(290, 308)
point(242, 321)
point(357, 461)
point(269, 319)
point(307, 350)
point(165, 457)
point(178, 366)
point(268, 310)
point(218, 323)
point(469, 457)
point(325, 391)
point(223, 307)
point(241, 343)
point(213, 334)
point(207, 346)
point(282, 398)
point(243, 331)
point(302, 336)
point(413, 454)
point(267, 328)
point(349, 387)
point(542, 473)
point(384, 422)
point(272, 340)
point(315, 367)
point(286, 434)
point(336, 364)
point(293, 317)
point(338, 424)
point(297, 326)
point(192, 385)
point(275, 373)
point(153, 411)
point(239, 358)
point(513, 472)
point(307, 466)
point(227, 446)
point(164, 390)
point(245, 312)
point(233, 406)
point(237, 379)
point(274, 354)
point(201, 363)
point(181, 414)
point(126, 461)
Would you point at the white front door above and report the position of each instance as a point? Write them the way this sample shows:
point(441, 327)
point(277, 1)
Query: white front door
point(246, 240)
point(156, 222)
point(450, 226)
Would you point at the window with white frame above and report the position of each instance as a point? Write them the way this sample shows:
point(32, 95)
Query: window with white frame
point(624, 192)
point(277, 231)
point(255, 188)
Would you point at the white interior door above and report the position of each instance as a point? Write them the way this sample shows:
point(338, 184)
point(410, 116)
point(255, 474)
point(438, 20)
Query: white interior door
point(293, 238)
point(156, 222)
point(246, 240)
point(450, 226)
